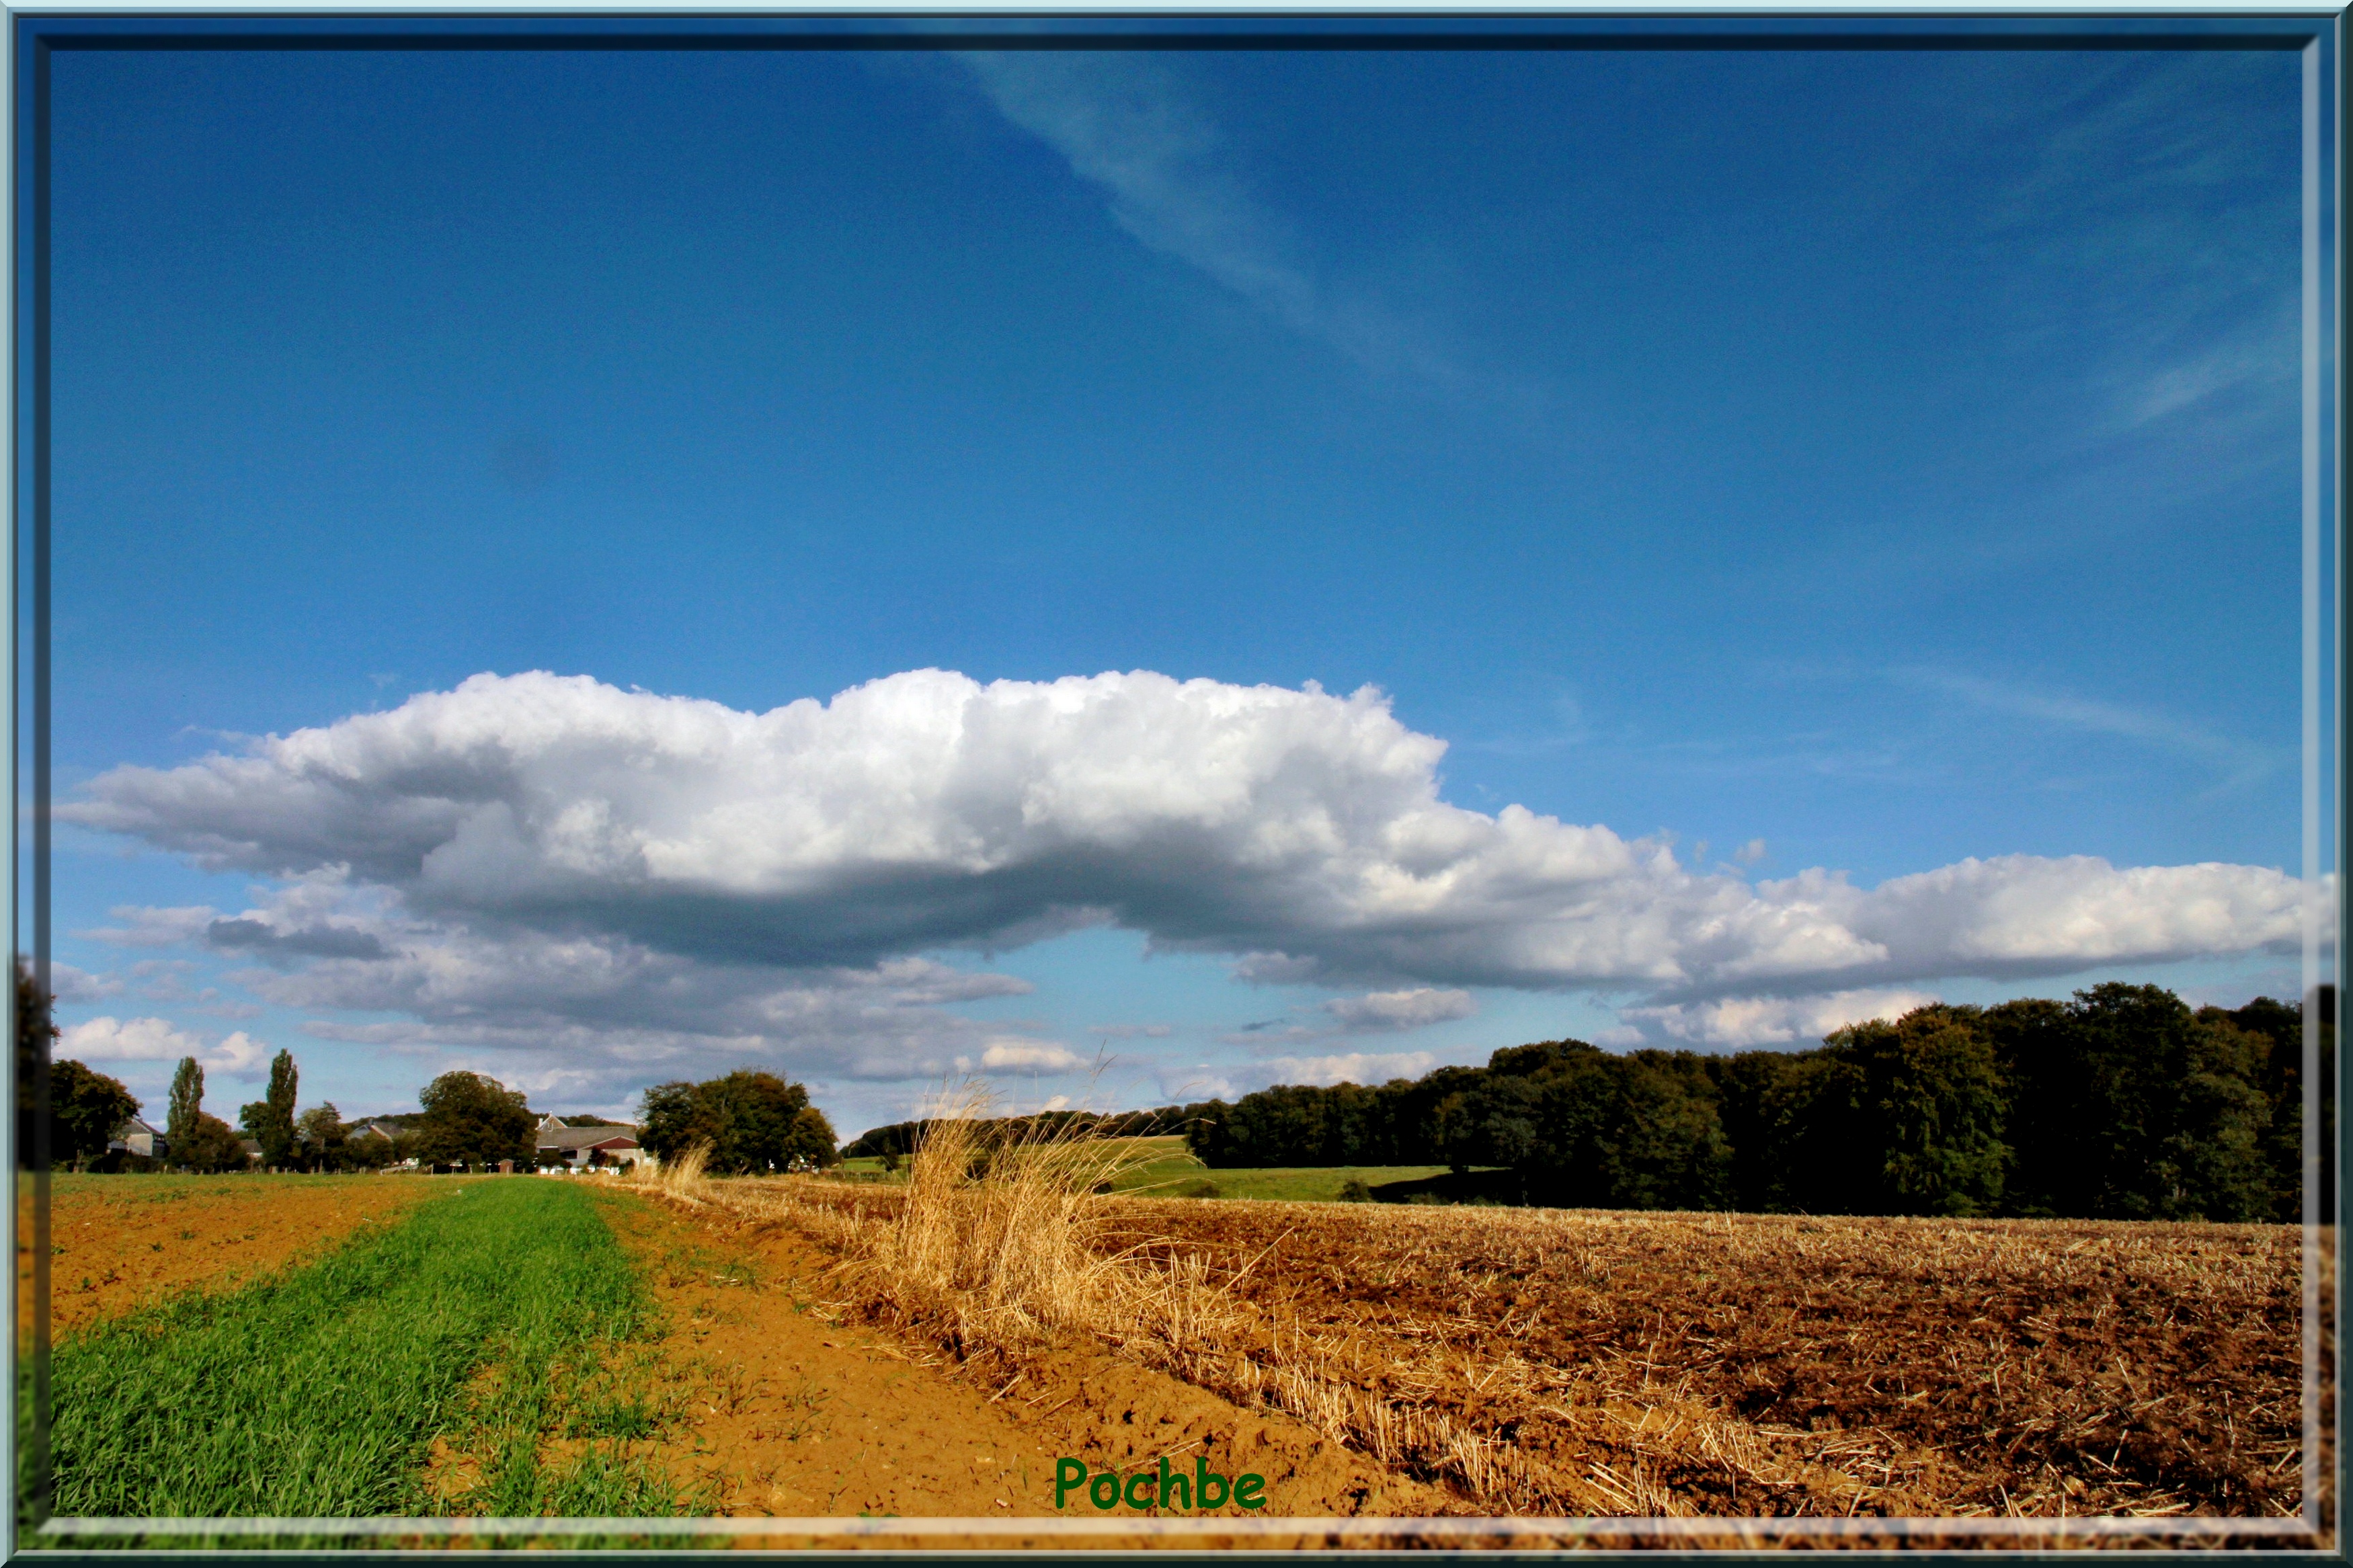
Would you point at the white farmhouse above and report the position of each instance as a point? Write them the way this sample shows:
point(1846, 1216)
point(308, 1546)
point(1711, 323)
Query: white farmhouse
point(586, 1148)
point(137, 1137)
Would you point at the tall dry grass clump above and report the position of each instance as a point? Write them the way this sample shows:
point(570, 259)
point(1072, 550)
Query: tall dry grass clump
point(1002, 1237)
point(1006, 1238)
point(682, 1178)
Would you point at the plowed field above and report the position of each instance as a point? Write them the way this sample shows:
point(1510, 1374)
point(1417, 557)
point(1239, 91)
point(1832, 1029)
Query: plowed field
point(118, 1242)
point(1576, 1362)
point(1772, 1364)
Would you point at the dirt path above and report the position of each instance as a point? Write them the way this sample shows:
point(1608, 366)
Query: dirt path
point(790, 1411)
point(120, 1242)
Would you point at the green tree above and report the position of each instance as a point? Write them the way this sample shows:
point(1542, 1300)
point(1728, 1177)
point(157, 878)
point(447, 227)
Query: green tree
point(752, 1121)
point(187, 1101)
point(2049, 1087)
point(192, 1138)
point(85, 1108)
point(2128, 1106)
point(1815, 1150)
point(1751, 1089)
point(269, 1121)
point(1665, 1146)
point(320, 1138)
point(812, 1140)
point(212, 1147)
point(475, 1120)
point(1929, 1112)
point(671, 1125)
point(2280, 1027)
point(34, 1031)
point(1206, 1138)
point(1584, 1127)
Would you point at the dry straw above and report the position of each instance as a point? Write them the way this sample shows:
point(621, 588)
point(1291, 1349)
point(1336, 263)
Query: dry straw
point(1396, 1332)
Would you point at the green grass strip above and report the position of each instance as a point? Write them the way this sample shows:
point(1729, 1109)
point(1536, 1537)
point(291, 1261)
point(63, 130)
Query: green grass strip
point(319, 1392)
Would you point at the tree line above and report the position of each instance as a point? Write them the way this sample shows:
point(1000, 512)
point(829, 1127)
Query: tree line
point(752, 1120)
point(895, 1141)
point(2122, 1103)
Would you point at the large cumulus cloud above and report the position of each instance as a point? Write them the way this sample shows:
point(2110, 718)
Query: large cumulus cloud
point(928, 810)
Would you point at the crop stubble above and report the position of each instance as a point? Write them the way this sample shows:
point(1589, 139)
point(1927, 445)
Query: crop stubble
point(1664, 1365)
point(1776, 1364)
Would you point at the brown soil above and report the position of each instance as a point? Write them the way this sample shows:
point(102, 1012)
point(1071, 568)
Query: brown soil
point(1552, 1361)
point(1878, 1366)
point(121, 1242)
point(791, 1409)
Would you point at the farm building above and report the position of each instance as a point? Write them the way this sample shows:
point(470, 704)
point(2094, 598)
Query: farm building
point(579, 1148)
point(138, 1137)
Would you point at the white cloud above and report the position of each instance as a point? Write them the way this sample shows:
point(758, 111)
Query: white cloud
point(1737, 1022)
point(1414, 1009)
point(1008, 1055)
point(116, 1040)
point(1352, 1067)
point(1274, 969)
point(545, 870)
point(595, 1014)
point(108, 1039)
point(520, 1001)
point(1181, 1084)
point(70, 984)
point(237, 1054)
point(151, 927)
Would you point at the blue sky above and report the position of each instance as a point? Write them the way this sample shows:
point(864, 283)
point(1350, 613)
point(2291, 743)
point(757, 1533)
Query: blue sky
point(1865, 462)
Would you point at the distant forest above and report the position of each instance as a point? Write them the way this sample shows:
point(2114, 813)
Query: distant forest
point(2123, 1103)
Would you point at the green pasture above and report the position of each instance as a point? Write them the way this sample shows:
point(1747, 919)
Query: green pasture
point(494, 1316)
point(1161, 1167)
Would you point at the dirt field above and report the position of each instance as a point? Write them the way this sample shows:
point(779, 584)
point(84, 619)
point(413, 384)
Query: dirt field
point(1772, 1364)
point(1564, 1363)
point(789, 1409)
point(117, 1242)
point(1377, 1361)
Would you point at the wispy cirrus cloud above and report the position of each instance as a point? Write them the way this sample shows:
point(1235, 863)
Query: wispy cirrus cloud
point(2239, 762)
point(1375, 1012)
point(1127, 125)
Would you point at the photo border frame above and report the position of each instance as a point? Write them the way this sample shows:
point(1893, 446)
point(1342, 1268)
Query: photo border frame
point(36, 32)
